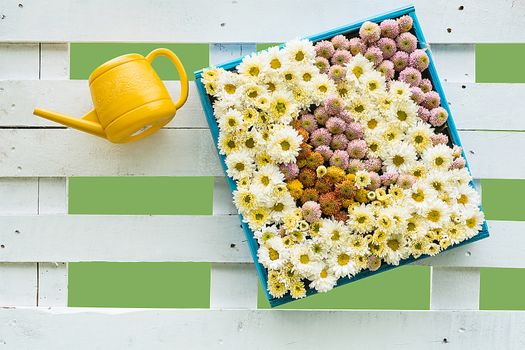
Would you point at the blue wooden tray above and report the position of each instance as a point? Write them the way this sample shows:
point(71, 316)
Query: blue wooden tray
point(351, 29)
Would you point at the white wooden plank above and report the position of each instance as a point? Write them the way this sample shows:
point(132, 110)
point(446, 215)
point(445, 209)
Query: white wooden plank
point(233, 286)
point(18, 284)
point(61, 152)
point(472, 104)
point(249, 21)
point(18, 61)
point(19, 98)
point(455, 62)
point(52, 196)
point(54, 61)
point(259, 329)
point(18, 195)
point(222, 197)
point(52, 284)
point(68, 238)
point(454, 288)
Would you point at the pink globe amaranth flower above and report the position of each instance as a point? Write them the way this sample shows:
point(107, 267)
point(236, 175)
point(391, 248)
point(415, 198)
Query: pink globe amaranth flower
point(432, 100)
point(346, 116)
point(387, 69)
point(339, 142)
point(375, 181)
point(334, 105)
point(439, 139)
point(355, 165)
point(340, 42)
point(336, 125)
point(438, 116)
point(389, 28)
point(458, 163)
point(418, 96)
point(405, 180)
point(321, 115)
point(341, 57)
point(425, 85)
point(405, 23)
point(370, 32)
point(373, 164)
point(289, 170)
point(411, 76)
point(357, 148)
point(325, 151)
point(354, 131)
point(340, 159)
point(387, 46)
point(357, 46)
point(322, 64)
point(374, 55)
point(324, 49)
point(400, 60)
point(406, 42)
point(423, 113)
point(320, 137)
point(311, 211)
point(388, 179)
point(419, 60)
point(337, 72)
point(308, 122)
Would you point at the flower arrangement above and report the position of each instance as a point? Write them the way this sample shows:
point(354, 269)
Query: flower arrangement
point(340, 156)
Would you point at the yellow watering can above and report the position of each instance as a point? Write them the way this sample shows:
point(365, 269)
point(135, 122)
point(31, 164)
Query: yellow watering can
point(130, 101)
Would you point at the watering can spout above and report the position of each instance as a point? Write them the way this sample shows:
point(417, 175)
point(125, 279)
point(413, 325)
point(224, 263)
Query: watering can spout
point(88, 123)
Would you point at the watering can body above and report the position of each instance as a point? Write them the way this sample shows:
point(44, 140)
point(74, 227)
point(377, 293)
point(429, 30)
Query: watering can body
point(130, 100)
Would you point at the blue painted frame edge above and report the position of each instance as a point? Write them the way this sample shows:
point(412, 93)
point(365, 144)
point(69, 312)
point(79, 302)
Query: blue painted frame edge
point(208, 109)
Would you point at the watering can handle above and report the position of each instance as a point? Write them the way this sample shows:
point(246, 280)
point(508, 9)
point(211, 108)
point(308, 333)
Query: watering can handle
point(180, 69)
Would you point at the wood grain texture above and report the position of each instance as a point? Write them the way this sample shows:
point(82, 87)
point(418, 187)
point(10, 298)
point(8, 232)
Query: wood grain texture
point(454, 288)
point(67, 238)
point(174, 152)
point(248, 20)
point(59, 328)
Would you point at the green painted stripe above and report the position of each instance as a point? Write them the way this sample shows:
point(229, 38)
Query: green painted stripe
point(405, 288)
point(503, 199)
point(141, 195)
point(148, 285)
point(264, 46)
point(85, 57)
point(500, 63)
point(502, 289)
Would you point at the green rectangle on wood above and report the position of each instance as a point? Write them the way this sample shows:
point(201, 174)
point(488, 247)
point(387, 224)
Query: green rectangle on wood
point(502, 289)
point(503, 199)
point(85, 57)
point(500, 63)
point(141, 195)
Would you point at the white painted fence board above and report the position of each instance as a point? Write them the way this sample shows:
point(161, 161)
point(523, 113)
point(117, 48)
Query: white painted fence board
point(472, 104)
point(18, 61)
point(70, 238)
point(222, 197)
point(54, 61)
point(454, 288)
point(233, 286)
point(173, 152)
point(259, 329)
point(18, 195)
point(249, 20)
point(19, 98)
point(455, 62)
point(18, 285)
point(52, 284)
point(52, 195)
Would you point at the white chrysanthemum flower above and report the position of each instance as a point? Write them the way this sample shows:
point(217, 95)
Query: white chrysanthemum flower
point(281, 207)
point(438, 157)
point(252, 66)
point(232, 121)
point(300, 52)
point(399, 90)
point(334, 232)
point(376, 145)
point(321, 88)
point(358, 245)
point(399, 157)
point(395, 249)
point(474, 219)
point(227, 143)
point(240, 164)
point(359, 106)
point(373, 83)
point(362, 219)
point(211, 74)
point(436, 213)
point(229, 86)
point(455, 232)
point(358, 66)
point(282, 107)
point(420, 196)
point(392, 132)
point(307, 73)
point(439, 181)
point(416, 226)
point(342, 263)
point(245, 200)
point(273, 254)
point(458, 178)
point(304, 261)
point(362, 179)
point(404, 113)
point(418, 246)
point(324, 281)
point(419, 136)
point(284, 144)
point(267, 176)
point(467, 197)
point(221, 107)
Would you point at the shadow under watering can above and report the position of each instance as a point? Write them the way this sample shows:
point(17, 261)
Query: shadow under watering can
point(130, 101)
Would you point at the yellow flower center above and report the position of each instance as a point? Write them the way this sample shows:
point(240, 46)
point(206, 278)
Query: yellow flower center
point(285, 145)
point(393, 244)
point(265, 180)
point(434, 215)
point(275, 63)
point(280, 107)
point(239, 166)
point(230, 88)
point(304, 259)
point(402, 115)
point(463, 199)
point(372, 123)
point(439, 161)
point(357, 71)
point(254, 71)
point(418, 196)
point(323, 88)
point(418, 139)
point(398, 160)
point(343, 259)
point(324, 274)
point(359, 108)
point(273, 254)
point(471, 222)
point(278, 207)
point(335, 235)
point(307, 77)
point(299, 56)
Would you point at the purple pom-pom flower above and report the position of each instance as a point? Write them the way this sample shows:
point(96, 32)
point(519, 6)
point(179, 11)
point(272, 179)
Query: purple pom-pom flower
point(419, 60)
point(341, 57)
point(405, 23)
point(370, 32)
point(325, 151)
point(411, 76)
point(438, 116)
point(339, 142)
point(336, 125)
point(340, 42)
point(389, 28)
point(308, 122)
point(432, 100)
point(339, 159)
point(324, 49)
point(387, 69)
point(311, 211)
point(357, 46)
point(289, 170)
point(354, 131)
point(387, 47)
point(320, 137)
point(400, 60)
point(357, 148)
point(374, 55)
point(406, 42)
